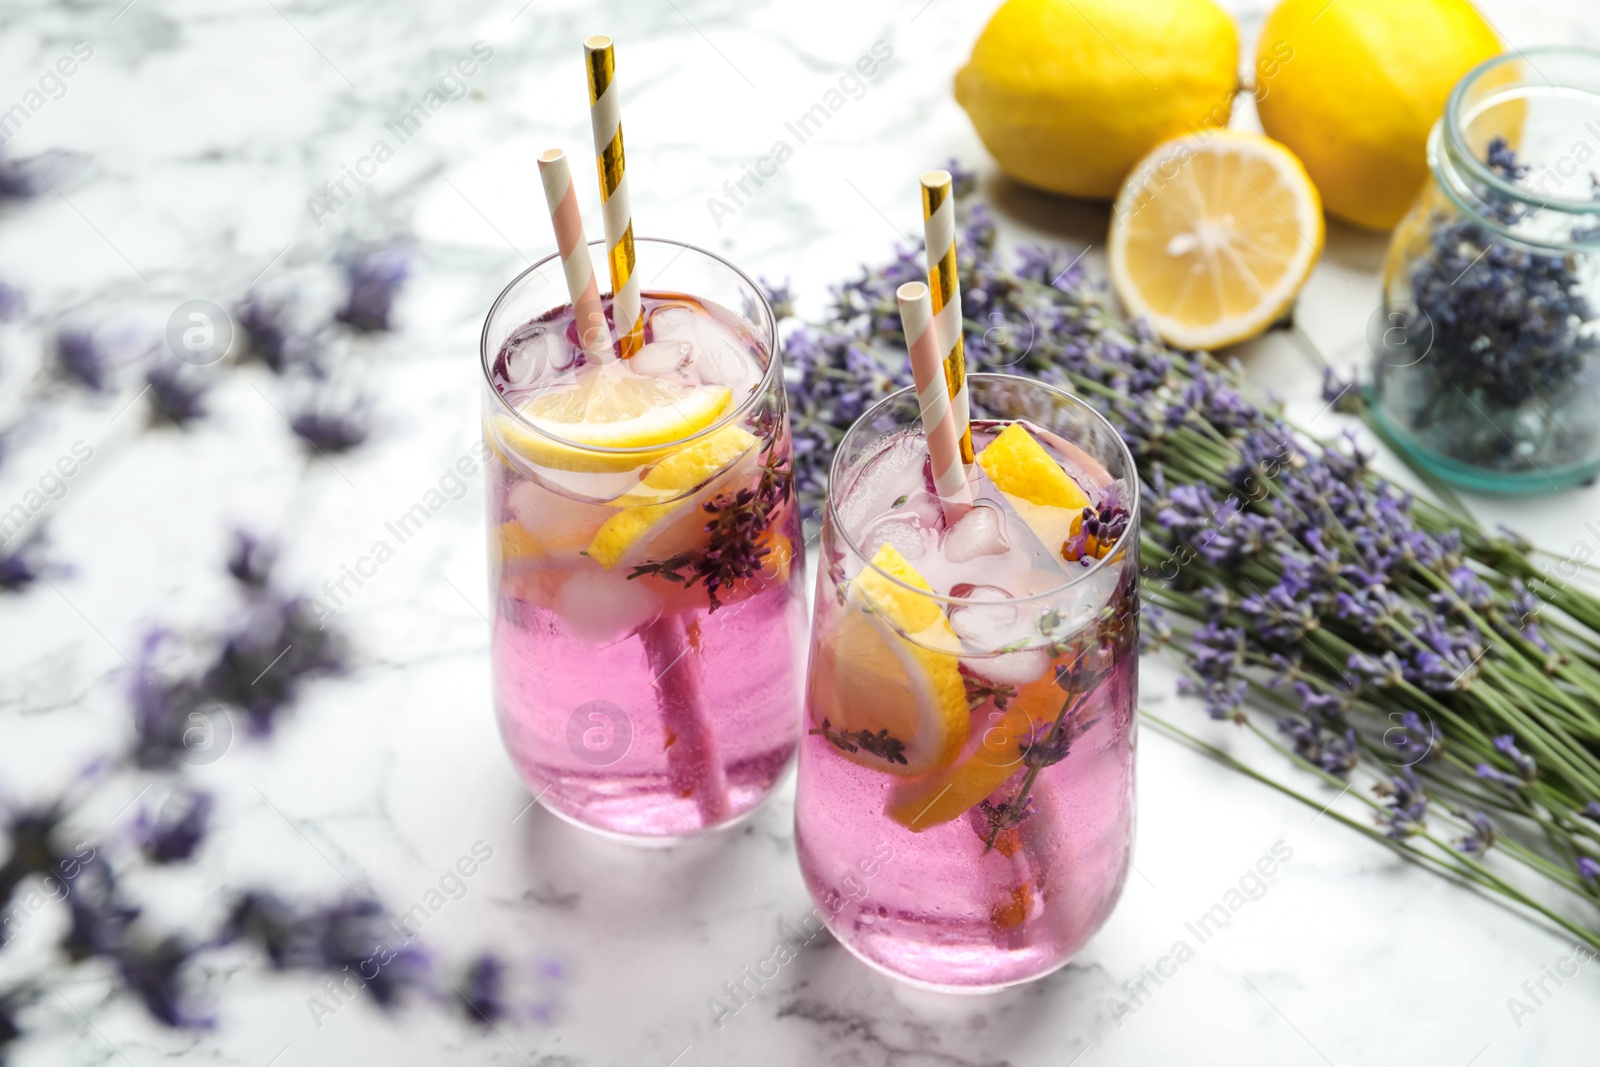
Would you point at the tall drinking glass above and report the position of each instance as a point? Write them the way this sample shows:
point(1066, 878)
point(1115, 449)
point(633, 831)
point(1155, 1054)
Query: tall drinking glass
point(645, 556)
point(971, 692)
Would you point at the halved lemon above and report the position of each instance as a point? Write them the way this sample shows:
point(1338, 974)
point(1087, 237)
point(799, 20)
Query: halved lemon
point(610, 406)
point(988, 762)
point(638, 522)
point(1043, 494)
point(1213, 236)
point(877, 674)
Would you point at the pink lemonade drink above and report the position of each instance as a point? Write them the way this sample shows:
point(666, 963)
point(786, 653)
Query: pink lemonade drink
point(971, 690)
point(645, 555)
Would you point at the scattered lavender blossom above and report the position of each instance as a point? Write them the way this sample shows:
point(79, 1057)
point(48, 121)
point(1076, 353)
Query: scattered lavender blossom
point(177, 393)
point(83, 358)
point(21, 179)
point(22, 562)
point(268, 336)
point(373, 278)
point(485, 992)
point(13, 302)
point(172, 837)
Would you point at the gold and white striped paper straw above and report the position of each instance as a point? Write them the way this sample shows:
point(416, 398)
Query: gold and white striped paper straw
point(605, 115)
point(939, 228)
point(933, 396)
point(593, 333)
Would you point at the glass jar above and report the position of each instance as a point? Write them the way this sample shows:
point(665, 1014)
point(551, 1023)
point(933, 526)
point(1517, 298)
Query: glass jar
point(1487, 351)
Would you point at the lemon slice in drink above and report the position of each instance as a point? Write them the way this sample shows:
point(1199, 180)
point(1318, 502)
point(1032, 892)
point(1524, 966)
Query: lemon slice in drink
point(1213, 237)
point(611, 407)
point(868, 678)
point(950, 792)
point(640, 524)
point(1043, 494)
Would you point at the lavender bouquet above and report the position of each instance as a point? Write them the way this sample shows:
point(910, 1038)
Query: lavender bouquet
point(1372, 637)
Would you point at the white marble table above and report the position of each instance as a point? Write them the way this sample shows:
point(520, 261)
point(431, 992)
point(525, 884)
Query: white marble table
point(208, 132)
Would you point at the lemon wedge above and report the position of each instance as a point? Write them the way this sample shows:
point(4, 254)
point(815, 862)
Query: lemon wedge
point(1043, 494)
point(1213, 236)
point(946, 794)
point(870, 678)
point(611, 407)
point(639, 521)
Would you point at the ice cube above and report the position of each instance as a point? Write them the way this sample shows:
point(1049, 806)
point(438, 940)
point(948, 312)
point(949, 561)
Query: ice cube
point(532, 352)
point(723, 361)
point(1009, 668)
point(903, 532)
point(672, 322)
point(662, 357)
point(604, 607)
point(977, 533)
point(990, 621)
point(559, 522)
point(720, 358)
point(1035, 532)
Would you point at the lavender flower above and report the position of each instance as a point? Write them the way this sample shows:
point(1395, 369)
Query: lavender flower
point(1342, 394)
point(172, 838)
point(1482, 836)
point(1154, 630)
point(1099, 531)
point(267, 334)
point(1413, 741)
point(12, 302)
point(251, 559)
point(177, 393)
point(21, 179)
point(1334, 752)
point(485, 992)
point(374, 277)
point(80, 357)
point(327, 431)
point(780, 297)
point(1405, 807)
point(354, 938)
point(264, 661)
point(1588, 869)
point(22, 564)
point(1526, 769)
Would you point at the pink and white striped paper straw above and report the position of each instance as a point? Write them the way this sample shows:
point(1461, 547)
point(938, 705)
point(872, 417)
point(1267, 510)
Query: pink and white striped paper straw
point(593, 333)
point(933, 396)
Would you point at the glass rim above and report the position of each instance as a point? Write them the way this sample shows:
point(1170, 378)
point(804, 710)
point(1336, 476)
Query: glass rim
point(772, 371)
point(1119, 548)
point(1450, 131)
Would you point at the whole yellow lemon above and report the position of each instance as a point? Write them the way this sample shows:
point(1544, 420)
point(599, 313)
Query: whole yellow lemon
point(1353, 87)
point(1068, 95)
